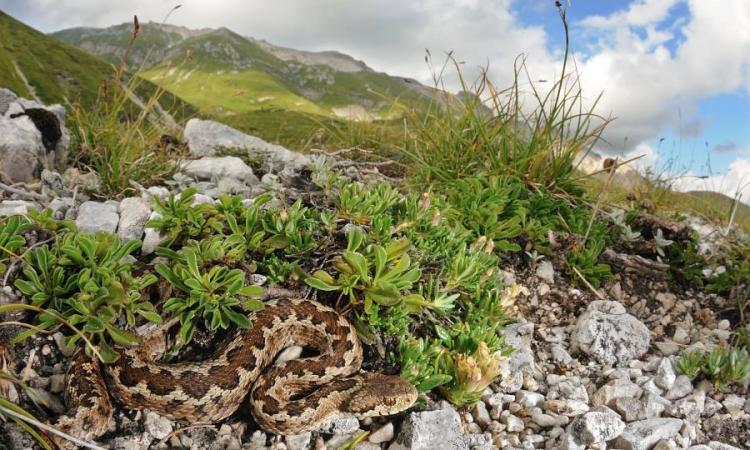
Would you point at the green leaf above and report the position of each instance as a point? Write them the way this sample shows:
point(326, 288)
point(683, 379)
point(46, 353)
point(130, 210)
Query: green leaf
point(121, 337)
point(358, 263)
point(253, 305)
point(250, 291)
point(150, 316)
point(433, 381)
point(240, 320)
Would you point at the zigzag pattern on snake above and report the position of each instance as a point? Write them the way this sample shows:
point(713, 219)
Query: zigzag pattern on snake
point(286, 398)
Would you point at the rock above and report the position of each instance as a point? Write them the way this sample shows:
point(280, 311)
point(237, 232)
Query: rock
point(60, 206)
point(568, 389)
point(382, 434)
point(733, 404)
point(715, 445)
point(431, 430)
point(481, 415)
point(205, 137)
point(57, 383)
point(569, 408)
point(628, 408)
point(681, 336)
point(560, 355)
point(529, 399)
point(343, 424)
point(52, 183)
point(711, 407)
point(609, 334)
point(210, 168)
point(619, 388)
point(32, 137)
point(6, 98)
point(665, 375)
point(95, 216)
point(691, 406)
point(681, 387)
point(298, 441)
point(16, 207)
point(157, 426)
point(596, 427)
point(666, 444)
point(512, 369)
point(644, 434)
point(151, 236)
point(134, 213)
point(546, 272)
point(514, 424)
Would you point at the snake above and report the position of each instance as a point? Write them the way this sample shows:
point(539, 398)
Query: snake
point(285, 398)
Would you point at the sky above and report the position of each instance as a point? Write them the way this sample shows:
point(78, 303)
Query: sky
point(673, 74)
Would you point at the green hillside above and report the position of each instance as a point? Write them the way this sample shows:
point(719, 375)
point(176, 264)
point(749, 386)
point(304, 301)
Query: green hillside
point(34, 65)
point(247, 75)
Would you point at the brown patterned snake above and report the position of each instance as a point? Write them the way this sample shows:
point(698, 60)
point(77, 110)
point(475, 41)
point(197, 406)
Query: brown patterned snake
point(286, 398)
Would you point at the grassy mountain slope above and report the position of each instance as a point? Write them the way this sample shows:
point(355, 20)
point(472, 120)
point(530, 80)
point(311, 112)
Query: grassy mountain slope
point(34, 65)
point(248, 75)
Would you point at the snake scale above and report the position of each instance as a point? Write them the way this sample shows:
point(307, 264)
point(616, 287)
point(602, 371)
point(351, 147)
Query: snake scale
point(285, 398)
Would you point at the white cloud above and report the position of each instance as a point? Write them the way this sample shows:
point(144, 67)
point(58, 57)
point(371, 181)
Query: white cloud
point(639, 13)
point(735, 180)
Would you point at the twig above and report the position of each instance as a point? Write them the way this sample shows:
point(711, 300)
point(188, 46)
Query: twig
point(50, 429)
point(601, 297)
point(22, 193)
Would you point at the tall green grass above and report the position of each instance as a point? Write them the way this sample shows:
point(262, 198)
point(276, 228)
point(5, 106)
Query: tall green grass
point(118, 137)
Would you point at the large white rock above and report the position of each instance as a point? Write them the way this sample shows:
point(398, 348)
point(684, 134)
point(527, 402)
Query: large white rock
point(16, 207)
point(210, 168)
point(596, 427)
point(644, 434)
point(609, 334)
point(22, 150)
point(205, 137)
point(431, 430)
point(96, 216)
point(134, 213)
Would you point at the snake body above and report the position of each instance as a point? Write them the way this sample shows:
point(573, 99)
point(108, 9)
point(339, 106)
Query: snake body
point(285, 398)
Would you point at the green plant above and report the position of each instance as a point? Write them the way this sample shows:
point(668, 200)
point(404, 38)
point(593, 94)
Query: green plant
point(219, 295)
point(87, 280)
point(11, 238)
point(180, 219)
point(691, 363)
point(417, 359)
point(118, 137)
point(378, 275)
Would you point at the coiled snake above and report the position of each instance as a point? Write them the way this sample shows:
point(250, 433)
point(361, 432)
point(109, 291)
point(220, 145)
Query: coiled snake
point(286, 398)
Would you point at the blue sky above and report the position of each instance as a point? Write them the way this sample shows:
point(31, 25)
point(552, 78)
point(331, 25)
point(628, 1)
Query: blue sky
point(674, 73)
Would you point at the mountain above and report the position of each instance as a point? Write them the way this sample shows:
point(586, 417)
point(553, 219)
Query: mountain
point(34, 65)
point(224, 73)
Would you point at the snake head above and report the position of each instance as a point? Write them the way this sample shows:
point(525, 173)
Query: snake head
point(381, 395)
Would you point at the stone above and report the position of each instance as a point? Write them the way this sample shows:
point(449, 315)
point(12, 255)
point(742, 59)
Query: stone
point(715, 445)
point(609, 334)
point(134, 213)
point(342, 424)
point(568, 389)
point(529, 399)
point(481, 415)
point(619, 388)
point(569, 408)
point(652, 405)
point(711, 407)
point(32, 137)
point(95, 216)
point(518, 336)
point(57, 383)
point(6, 98)
point(734, 404)
point(666, 444)
point(299, 441)
point(382, 434)
point(16, 207)
point(644, 434)
point(205, 137)
point(60, 206)
point(513, 423)
point(151, 236)
point(157, 426)
point(596, 426)
point(629, 408)
point(681, 336)
point(431, 430)
point(691, 406)
point(681, 387)
point(546, 272)
point(560, 355)
point(210, 168)
point(665, 375)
